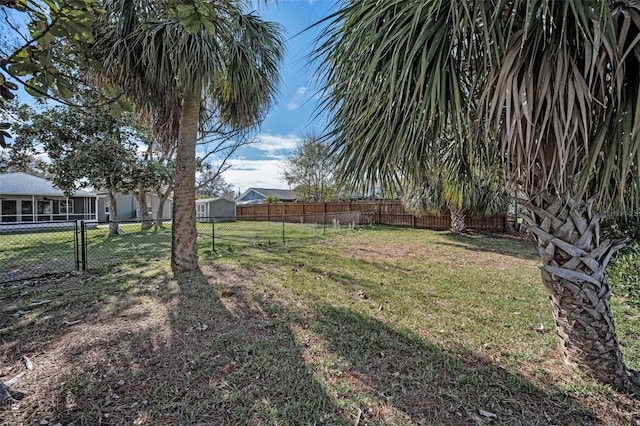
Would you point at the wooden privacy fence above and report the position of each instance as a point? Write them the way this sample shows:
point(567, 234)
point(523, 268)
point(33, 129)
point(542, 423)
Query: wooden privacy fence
point(378, 212)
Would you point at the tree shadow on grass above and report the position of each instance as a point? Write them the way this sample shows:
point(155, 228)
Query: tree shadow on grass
point(188, 349)
point(431, 385)
point(505, 244)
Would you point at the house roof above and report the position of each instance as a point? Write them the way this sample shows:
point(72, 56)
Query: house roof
point(282, 194)
point(24, 184)
point(208, 200)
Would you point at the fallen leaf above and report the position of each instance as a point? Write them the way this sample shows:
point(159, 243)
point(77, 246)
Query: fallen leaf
point(27, 362)
point(487, 414)
point(358, 417)
point(14, 380)
point(229, 368)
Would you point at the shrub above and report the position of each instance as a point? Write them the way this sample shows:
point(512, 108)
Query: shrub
point(624, 273)
point(621, 227)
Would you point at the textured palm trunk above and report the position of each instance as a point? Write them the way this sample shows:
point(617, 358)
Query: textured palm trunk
point(574, 262)
point(184, 247)
point(457, 220)
point(114, 228)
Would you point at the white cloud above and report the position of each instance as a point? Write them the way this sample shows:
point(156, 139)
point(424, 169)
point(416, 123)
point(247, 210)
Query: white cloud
point(276, 146)
point(262, 166)
point(245, 174)
point(298, 99)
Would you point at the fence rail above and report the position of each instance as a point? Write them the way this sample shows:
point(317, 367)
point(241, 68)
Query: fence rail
point(381, 213)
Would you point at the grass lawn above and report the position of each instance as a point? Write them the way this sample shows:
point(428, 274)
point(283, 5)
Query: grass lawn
point(27, 254)
point(378, 326)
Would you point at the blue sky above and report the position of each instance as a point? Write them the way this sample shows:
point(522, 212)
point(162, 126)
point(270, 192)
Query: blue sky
point(292, 116)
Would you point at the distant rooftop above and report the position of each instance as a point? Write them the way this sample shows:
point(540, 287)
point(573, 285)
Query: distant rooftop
point(282, 194)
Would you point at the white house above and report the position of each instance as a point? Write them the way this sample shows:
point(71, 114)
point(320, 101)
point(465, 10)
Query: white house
point(26, 198)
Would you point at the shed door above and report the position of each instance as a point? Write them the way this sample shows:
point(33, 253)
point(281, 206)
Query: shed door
point(201, 210)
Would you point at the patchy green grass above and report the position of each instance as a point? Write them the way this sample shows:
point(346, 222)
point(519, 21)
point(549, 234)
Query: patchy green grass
point(379, 326)
point(31, 254)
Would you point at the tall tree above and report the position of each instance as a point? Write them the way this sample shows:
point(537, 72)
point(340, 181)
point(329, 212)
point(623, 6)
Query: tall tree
point(309, 171)
point(84, 147)
point(211, 183)
point(556, 81)
point(170, 56)
point(45, 47)
point(44, 43)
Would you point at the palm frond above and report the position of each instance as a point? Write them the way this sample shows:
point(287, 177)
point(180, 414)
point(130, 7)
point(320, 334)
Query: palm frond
point(550, 86)
point(154, 57)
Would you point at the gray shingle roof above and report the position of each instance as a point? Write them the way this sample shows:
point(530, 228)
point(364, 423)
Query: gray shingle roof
point(282, 194)
point(25, 184)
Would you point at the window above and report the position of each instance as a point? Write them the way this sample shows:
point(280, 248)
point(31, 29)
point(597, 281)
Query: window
point(9, 210)
point(63, 206)
point(201, 210)
point(43, 208)
point(27, 210)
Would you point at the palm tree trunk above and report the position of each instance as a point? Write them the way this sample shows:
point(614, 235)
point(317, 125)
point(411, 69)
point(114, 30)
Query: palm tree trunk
point(184, 248)
point(457, 220)
point(574, 262)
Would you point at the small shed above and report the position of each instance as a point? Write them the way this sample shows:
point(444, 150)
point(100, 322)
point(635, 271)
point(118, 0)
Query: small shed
point(215, 209)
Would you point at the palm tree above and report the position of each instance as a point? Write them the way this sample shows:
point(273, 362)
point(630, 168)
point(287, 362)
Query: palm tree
point(553, 87)
point(458, 180)
point(169, 60)
point(478, 195)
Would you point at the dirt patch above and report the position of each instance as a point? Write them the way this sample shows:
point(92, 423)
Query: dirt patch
point(393, 253)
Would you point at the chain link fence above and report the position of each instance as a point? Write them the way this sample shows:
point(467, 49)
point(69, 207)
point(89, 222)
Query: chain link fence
point(287, 229)
point(35, 249)
point(31, 250)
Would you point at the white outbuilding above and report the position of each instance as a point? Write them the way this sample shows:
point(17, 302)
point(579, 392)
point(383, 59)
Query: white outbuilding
point(215, 209)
